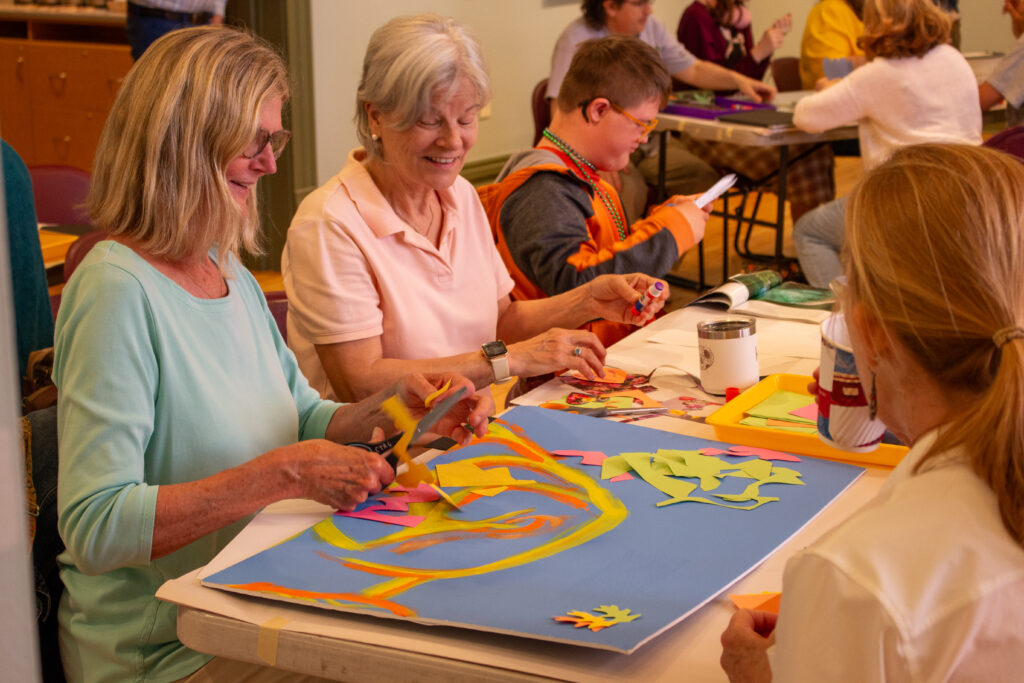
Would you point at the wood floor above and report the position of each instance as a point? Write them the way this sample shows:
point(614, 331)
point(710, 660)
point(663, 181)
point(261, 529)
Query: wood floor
point(848, 172)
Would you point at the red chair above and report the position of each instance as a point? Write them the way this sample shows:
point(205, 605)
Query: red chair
point(278, 303)
point(59, 193)
point(78, 249)
point(786, 73)
point(541, 109)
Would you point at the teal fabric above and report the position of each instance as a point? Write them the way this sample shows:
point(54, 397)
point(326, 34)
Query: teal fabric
point(156, 387)
point(33, 319)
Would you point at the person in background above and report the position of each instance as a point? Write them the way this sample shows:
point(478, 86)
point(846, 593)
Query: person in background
point(686, 172)
point(719, 31)
point(147, 20)
point(558, 224)
point(831, 32)
point(916, 88)
point(391, 267)
point(181, 412)
point(926, 581)
point(1006, 81)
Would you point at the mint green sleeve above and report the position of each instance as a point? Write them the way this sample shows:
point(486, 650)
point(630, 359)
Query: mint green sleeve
point(106, 373)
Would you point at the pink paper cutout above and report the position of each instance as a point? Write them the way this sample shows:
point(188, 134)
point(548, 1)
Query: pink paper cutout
point(622, 477)
point(372, 515)
point(589, 457)
point(763, 453)
point(808, 412)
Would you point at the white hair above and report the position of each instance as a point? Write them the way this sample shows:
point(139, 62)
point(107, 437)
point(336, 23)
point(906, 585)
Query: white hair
point(407, 61)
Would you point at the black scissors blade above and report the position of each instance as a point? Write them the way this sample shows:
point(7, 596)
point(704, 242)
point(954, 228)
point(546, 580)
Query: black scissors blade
point(429, 420)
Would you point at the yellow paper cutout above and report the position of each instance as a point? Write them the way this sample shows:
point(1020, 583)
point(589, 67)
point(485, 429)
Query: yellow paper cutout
point(430, 399)
point(609, 615)
point(491, 492)
point(414, 472)
point(464, 473)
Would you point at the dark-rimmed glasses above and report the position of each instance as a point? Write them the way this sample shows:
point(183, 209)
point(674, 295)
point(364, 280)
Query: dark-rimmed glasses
point(276, 140)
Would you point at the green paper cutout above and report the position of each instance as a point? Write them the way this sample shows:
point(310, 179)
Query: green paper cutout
point(778, 407)
point(763, 424)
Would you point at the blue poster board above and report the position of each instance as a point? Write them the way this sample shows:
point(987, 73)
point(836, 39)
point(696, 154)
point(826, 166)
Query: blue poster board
point(557, 540)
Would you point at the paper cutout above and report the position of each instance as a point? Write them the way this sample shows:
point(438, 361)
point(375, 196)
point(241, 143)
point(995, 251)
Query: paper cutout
point(588, 457)
point(430, 399)
point(779, 425)
point(766, 601)
point(414, 472)
point(625, 476)
point(763, 453)
point(395, 498)
point(464, 473)
point(609, 616)
point(661, 468)
point(639, 399)
point(808, 412)
point(780, 406)
point(611, 375)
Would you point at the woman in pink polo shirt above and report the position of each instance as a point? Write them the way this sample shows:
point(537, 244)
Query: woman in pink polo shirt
point(391, 266)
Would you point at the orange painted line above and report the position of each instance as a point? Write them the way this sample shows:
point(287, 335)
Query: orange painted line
point(387, 605)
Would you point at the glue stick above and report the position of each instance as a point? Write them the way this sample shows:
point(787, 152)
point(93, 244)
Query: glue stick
point(652, 293)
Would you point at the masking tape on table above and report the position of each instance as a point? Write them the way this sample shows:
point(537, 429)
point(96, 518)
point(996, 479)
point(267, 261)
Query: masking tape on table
point(266, 640)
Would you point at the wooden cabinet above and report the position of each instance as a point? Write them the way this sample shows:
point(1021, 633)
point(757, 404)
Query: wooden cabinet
point(59, 73)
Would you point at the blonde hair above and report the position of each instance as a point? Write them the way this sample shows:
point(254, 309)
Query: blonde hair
point(935, 253)
point(187, 108)
point(903, 28)
point(407, 61)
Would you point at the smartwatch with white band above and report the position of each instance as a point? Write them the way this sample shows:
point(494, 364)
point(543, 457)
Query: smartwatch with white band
point(497, 354)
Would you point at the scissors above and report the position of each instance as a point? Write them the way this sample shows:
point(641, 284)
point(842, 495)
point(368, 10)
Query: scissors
point(426, 422)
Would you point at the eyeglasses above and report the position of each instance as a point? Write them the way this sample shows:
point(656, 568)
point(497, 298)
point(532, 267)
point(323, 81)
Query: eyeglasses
point(276, 140)
point(648, 126)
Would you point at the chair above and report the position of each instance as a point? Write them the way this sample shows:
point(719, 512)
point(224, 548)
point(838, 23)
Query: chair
point(1010, 141)
point(278, 304)
point(786, 73)
point(59, 192)
point(39, 432)
point(78, 249)
point(541, 109)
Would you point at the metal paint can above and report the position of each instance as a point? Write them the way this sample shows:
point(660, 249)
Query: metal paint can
point(728, 354)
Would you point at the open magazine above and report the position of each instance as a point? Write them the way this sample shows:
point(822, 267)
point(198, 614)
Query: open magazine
point(764, 294)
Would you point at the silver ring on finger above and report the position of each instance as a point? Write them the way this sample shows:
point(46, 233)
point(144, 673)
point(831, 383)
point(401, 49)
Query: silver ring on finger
point(578, 351)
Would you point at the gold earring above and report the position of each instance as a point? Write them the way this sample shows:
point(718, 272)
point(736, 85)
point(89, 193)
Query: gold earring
point(873, 399)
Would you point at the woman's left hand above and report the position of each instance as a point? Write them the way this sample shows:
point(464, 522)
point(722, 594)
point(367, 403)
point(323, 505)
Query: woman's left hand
point(612, 297)
point(471, 410)
point(745, 644)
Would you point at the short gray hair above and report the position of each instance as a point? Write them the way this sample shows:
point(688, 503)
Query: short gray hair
point(407, 60)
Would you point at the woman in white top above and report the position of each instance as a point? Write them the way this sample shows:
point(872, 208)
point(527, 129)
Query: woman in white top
point(926, 582)
point(916, 88)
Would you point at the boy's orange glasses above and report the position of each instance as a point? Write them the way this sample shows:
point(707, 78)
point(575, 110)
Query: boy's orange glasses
point(648, 126)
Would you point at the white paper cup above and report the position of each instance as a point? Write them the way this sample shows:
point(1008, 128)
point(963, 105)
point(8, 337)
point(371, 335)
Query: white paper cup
point(728, 354)
point(844, 419)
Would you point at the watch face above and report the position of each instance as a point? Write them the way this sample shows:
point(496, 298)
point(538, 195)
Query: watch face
point(494, 349)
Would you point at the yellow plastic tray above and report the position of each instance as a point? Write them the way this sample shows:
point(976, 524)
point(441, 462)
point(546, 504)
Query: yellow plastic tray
point(726, 421)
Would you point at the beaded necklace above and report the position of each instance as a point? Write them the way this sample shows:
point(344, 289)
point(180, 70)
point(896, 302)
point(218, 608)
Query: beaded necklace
point(588, 172)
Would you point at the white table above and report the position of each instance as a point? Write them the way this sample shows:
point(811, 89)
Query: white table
point(363, 648)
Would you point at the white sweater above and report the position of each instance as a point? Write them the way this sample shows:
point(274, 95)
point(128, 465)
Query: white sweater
point(898, 102)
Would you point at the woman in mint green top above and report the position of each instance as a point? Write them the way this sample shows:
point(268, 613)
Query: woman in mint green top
point(181, 410)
